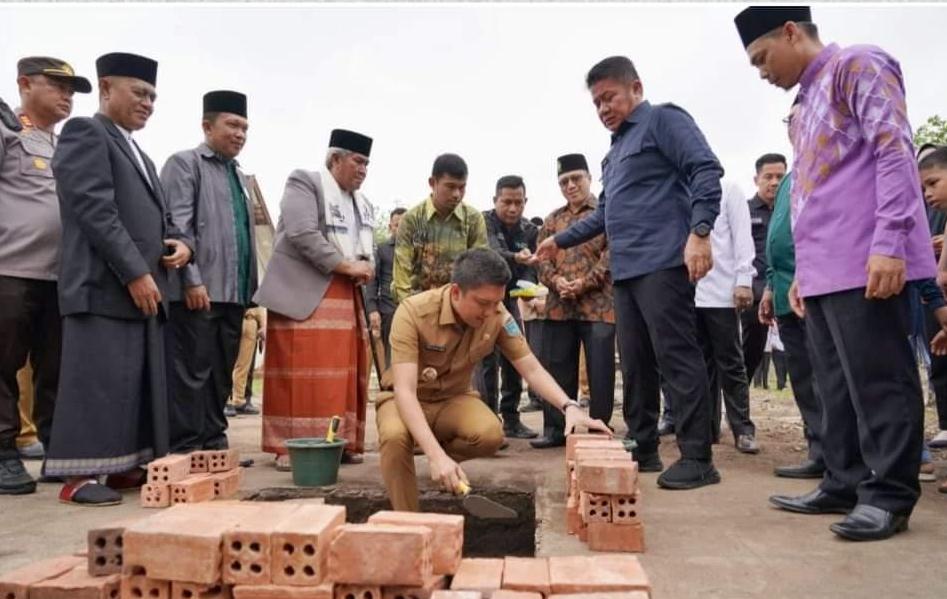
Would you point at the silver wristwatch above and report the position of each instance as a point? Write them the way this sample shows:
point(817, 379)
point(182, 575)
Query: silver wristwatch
point(570, 402)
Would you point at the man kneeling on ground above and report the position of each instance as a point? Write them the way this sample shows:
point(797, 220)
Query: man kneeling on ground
point(437, 338)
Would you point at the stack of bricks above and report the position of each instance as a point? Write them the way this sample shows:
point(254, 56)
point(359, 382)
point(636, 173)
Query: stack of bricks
point(236, 550)
point(602, 508)
point(192, 478)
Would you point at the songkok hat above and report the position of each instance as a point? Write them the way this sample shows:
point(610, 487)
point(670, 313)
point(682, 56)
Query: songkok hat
point(120, 64)
point(350, 140)
point(225, 101)
point(52, 67)
point(756, 21)
point(571, 162)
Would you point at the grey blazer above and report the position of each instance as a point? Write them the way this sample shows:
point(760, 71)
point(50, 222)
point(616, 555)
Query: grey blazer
point(300, 270)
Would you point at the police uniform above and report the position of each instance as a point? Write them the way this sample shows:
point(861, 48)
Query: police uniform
point(427, 332)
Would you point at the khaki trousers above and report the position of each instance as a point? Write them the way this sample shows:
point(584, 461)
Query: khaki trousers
point(24, 380)
point(463, 425)
point(238, 397)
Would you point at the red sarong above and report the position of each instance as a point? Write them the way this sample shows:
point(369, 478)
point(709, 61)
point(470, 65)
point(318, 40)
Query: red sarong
point(315, 369)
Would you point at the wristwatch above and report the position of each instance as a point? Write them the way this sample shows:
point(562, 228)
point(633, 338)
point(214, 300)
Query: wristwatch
point(702, 230)
point(570, 402)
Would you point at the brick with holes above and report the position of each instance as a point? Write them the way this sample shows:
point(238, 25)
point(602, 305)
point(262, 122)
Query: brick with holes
point(597, 573)
point(608, 477)
point(227, 484)
point(183, 542)
point(221, 460)
point(595, 508)
point(77, 584)
point(193, 489)
point(248, 547)
point(381, 554)
point(526, 574)
point(169, 469)
point(135, 586)
point(627, 538)
point(155, 496)
point(194, 590)
point(300, 547)
point(625, 509)
point(16, 583)
point(272, 591)
point(105, 550)
point(478, 574)
point(457, 595)
point(448, 535)
point(198, 462)
point(357, 591)
point(424, 591)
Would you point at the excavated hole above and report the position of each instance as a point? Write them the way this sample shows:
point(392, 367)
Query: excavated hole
point(154, 593)
point(100, 560)
point(136, 592)
point(187, 593)
point(236, 566)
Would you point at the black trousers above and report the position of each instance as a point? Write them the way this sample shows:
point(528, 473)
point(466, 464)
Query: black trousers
point(30, 329)
point(386, 319)
point(754, 338)
point(657, 329)
point(204, 350)
point(505, 400)
point(871, 393)
point(718, 332)
point(561, 358)
point(792, 331)
point(534, 336)
point(938, 371)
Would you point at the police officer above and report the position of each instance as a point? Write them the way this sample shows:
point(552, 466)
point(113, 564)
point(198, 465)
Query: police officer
point(29, 246)
point(437, 338)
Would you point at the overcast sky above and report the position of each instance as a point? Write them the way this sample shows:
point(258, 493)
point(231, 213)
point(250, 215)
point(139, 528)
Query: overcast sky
point(502, 85)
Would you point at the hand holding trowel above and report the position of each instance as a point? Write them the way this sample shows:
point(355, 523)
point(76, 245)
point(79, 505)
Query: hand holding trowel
point(450, 475)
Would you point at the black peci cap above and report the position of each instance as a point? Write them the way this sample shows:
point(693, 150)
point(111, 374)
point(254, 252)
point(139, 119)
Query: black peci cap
point(226, 101)
point(571, 162)
point(121, 64)
point(756, 21)
point(350, 140)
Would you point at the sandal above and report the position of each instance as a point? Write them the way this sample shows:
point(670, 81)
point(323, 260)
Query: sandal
point(283, 464)
point(88, 492)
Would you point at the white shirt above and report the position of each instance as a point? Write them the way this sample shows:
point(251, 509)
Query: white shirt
point(732, 244)
point(134, 147)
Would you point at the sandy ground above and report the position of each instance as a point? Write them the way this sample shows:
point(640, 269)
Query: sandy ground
point(721, 541)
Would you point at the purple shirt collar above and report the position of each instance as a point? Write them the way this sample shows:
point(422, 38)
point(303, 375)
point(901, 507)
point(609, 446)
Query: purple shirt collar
point(816, 65)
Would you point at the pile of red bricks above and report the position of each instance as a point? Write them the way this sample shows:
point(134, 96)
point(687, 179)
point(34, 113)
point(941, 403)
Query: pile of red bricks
point(603, 504)
point(234, 550)
point(191, 478)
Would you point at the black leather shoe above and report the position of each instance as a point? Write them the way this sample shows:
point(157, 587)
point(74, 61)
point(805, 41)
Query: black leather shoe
point(518, 430)
point(532, 406)
point(816, 502)
point(807, 469)
point(649, 462)
point(665, 427)
point(869, 523)
point(248, 409)
point(230, 411)
point(688, 473)
point(549, 441)
point(14, 479)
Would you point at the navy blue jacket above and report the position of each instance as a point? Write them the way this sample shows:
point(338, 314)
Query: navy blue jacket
point(660, 179)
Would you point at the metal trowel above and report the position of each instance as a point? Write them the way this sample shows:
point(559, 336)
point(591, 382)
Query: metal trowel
point(483, 508)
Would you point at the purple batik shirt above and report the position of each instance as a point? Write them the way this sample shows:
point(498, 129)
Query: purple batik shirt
point(855, 188)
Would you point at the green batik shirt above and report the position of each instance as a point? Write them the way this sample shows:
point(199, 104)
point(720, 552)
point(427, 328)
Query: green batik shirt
point(427, 246)
point(780, 250)
point(241, 223)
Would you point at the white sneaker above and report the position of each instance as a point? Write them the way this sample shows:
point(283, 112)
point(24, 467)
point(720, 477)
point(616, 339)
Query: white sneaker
point(939, 441)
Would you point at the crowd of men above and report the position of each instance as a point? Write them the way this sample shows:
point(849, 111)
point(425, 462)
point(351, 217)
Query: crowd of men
point(133, 293)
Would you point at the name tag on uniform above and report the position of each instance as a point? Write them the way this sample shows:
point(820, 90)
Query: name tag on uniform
point(432, 347)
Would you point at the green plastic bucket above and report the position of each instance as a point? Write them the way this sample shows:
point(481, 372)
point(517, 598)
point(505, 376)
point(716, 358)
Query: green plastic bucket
point(315, 461)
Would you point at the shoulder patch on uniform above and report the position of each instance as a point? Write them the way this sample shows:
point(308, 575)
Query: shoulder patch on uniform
point(512, 329)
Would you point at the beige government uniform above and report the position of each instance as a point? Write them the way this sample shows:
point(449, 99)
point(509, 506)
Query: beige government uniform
point(426, 331)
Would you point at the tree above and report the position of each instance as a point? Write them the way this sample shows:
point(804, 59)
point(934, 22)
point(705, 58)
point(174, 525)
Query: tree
point(934, 131)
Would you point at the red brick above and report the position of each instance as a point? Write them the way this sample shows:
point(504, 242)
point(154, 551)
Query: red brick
point(448, 531)
point(425, 591)
point(615, 595)
point(142, 587)
point(193, 590)
point(227, 484)
point(270, 591)
point(573, 518)
point(586, 455)
point(300, 547)
point(478, 574)
point(504, 594)
point(526, 574)
point(595, 508)
point(193, 489)
point(155, 496)
point(221, 460)
point(183, 543)
point(583, 533)
point(625, 509)
point(382, 554)
point(457, 595)
point(105, 550)
point(198, 462)
point(601, 443)
point(357, 591)
point(77, 584)
point(169, 469)
point(597, 573)
point(608, 478)
point(616, 537)
point(575, 438)
point(248, 548)
point(16, 583)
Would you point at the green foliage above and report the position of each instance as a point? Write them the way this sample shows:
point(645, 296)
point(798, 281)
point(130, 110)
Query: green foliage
point(934, 131)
